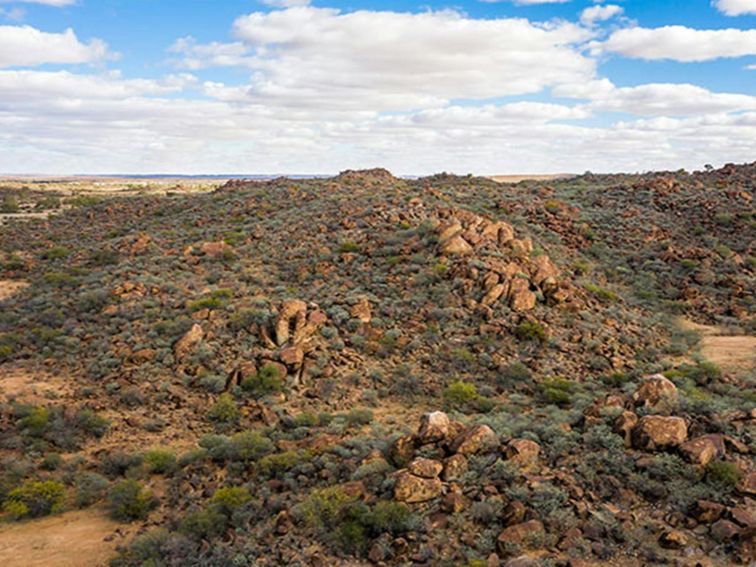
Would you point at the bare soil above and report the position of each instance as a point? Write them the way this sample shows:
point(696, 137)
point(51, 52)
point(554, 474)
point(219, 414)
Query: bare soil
point(82, 538)
point(9, 288)
point(730, 352)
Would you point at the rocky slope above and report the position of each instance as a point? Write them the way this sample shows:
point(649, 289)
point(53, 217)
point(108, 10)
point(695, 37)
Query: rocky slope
point(372, 370)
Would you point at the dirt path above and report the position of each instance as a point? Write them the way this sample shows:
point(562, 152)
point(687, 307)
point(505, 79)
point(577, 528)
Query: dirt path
point(11, 287)
point(73, 539)
point(735, 352)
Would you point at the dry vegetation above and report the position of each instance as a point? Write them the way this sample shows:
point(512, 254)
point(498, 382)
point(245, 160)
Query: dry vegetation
point(370, 370)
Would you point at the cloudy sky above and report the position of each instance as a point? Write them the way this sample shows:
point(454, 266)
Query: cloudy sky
point(317, 86)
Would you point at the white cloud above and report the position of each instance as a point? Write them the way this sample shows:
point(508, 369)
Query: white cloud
point(56, 3)
point(390, 60)
point(200, 56)
point(679, 43)
point(656, 99)
point(736, 7)
point(285, 3)
point(28, 46)
point(594, 14)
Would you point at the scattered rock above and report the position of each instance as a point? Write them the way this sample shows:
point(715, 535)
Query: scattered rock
point(426, 468)
point(656, 392)
point(701, 450)
point(454, 467)
point(434, 427)
point(519, 534)
point(656, 432)
point(187, 344)
point(522, 451)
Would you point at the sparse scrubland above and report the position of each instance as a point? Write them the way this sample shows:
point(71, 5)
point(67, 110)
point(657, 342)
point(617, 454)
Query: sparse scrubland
point(372, 370)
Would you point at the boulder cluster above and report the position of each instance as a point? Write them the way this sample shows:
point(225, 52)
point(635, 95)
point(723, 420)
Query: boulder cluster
point(495, 265)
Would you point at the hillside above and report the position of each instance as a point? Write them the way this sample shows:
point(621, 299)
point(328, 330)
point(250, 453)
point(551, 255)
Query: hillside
point(373, 370)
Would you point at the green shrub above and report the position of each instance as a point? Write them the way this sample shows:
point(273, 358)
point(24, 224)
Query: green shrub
point(213, 520)
point(459, 394)
point(723, 473)
point(224, 411)
point(349, 246)
point(36, 422)
point(51, 462)
point(602, 293)
point(56, 253)
point(359, 417)
point(9, 205)
point(556, 391)
point(514, 374)
point(34, 499)
point(265, 382)
point(530, 331)
point(128, 500)
point(229, 498)
point(160, 461)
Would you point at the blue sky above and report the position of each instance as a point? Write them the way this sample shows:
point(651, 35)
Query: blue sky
point(204, 86)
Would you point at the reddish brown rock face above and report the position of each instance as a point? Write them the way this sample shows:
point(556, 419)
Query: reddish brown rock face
point(434, 427)
point(520, 533)
point(656, 392)
point(412, 489)
point(657, 432)
point(523, 451)
point(188, 343)
point(425, 468)
point(702, 450)
point(477, 439)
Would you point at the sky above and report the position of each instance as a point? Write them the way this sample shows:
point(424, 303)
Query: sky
point(319, 86)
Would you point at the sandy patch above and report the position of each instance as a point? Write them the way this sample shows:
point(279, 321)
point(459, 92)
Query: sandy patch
point(33, 386)
point(11, 287)
point(730, 352)
point(73, 539)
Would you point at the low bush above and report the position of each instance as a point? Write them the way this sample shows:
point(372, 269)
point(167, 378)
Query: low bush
point(128, 500)
point(34, 498)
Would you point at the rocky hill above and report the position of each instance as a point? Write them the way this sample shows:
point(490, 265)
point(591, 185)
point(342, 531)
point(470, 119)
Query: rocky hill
point(373, 370)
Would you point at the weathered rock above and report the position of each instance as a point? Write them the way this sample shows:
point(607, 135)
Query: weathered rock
point(707, 512)
point(656, 432)
point(656, 392)
point(478, 438)
point(187, 344)
point(624, 425)
point(543, 270)
point(744, 517)
point(456, 246)
point(493, 294)
point(674, 539)
point(522, 451)
point(747, 485)
point(523, 561)
point(413, 489)
point(701, 450)
point(520, 297)
point(724, 530)
point(361, 311)
point(216, 249)
point(434, 427)
point(292, 356)
point(449, 230)
point(403, 450)
point(425, 468)
point(454, 468)
point(519, 534)
point(513, 513)
point(291, 316)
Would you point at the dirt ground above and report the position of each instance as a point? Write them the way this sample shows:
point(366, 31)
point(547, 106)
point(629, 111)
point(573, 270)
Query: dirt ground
point(11, 287)
point(82, 538)
point(730, 352)
point(518, 178)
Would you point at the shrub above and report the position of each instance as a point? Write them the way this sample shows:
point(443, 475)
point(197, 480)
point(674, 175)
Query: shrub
point(34, 499)
point(530, 331)
point(90, 488)
point(602, 293)
point(359, 417)
point(36, 422)
point(56, 253)
point(556, 391)
point(129, 500)
point(265, 382)
point(514, 374)
point(229, 498)
point(9, 205)
point(459, 394)
point(723, 473)
point(224, 411)
point(160, 461)
point(349, 246)
point(213, 520)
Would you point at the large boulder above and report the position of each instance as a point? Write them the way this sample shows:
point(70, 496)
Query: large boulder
point(361, 311)
point(425, 468)
point(658, 432)
point(456, 246)
point(476, 439)
point(702, 450)
point(519, 534)
point(656, 392)
point(522, 451)
point(412, 489)
point(520, 297)
point(187, 344)
point(434, 427)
